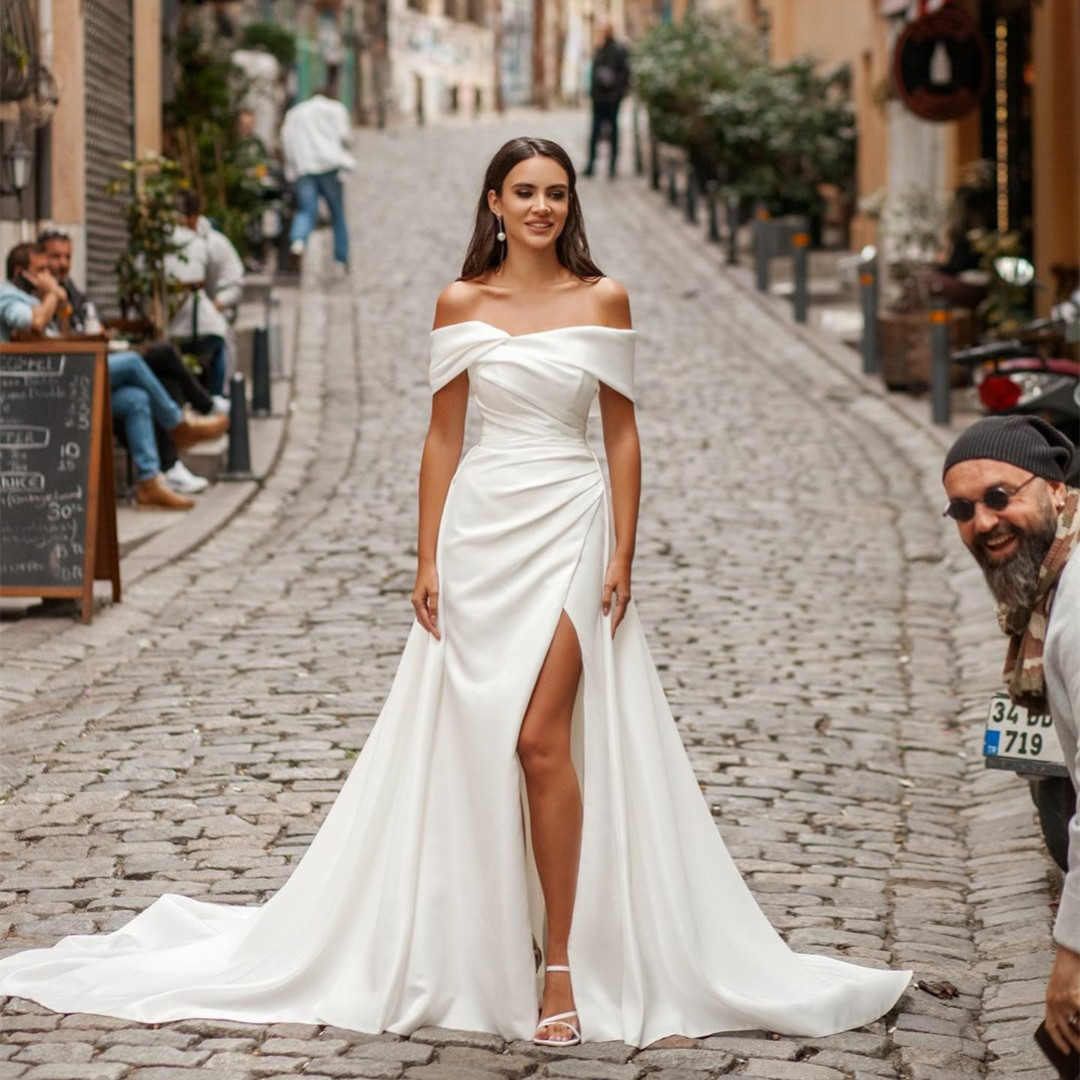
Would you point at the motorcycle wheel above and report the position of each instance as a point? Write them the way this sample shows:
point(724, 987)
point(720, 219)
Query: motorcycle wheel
point(1055, 800)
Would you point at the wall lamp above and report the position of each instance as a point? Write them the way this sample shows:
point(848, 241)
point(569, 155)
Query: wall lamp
point(17, 159)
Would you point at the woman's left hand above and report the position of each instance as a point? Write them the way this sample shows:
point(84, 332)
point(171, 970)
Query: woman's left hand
point(617, 582)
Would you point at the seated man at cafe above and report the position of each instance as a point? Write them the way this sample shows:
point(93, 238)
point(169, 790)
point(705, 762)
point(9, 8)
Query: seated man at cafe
point(31, 298)
point(162, 357)
point(28, 304)
point(55, 244)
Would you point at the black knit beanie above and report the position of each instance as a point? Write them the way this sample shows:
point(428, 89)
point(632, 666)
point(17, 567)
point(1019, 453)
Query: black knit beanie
point(1024, 441)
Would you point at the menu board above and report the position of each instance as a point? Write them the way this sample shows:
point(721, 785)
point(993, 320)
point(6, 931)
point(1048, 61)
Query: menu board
point(57, 492)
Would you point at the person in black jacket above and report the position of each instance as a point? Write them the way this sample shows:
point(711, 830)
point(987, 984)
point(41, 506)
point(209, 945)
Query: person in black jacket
point(609, 85)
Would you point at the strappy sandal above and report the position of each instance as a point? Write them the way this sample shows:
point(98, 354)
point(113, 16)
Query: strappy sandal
point(559, 1020)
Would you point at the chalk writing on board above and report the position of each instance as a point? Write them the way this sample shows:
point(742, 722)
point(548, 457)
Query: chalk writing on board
point(46, 414)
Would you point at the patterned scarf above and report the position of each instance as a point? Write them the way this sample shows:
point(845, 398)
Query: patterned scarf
point(1026, 626)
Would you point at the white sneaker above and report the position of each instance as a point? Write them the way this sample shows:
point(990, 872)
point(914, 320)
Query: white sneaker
point(182, 480)
point(221, 406)
point(296, 247)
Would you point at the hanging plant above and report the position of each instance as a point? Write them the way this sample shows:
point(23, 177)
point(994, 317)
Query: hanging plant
point(18, 49)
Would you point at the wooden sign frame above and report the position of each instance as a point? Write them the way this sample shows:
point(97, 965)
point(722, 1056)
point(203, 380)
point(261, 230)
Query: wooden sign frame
point(101, 548)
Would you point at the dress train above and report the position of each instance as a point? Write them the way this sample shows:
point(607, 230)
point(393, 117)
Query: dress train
point(417, 903)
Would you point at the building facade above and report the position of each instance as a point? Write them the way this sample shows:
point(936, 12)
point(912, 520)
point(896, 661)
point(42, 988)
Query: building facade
point(94, 100)
point(1025, 129)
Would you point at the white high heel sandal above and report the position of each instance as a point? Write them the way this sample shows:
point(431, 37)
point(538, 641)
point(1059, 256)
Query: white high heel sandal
point(559, 1019)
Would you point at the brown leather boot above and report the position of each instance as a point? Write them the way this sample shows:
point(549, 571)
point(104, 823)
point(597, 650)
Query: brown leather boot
point(156, 494)
point(193, 429)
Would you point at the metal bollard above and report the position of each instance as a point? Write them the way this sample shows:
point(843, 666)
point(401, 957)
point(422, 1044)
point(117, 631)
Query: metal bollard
point(673, 183)
point(691, 195)
point(639, 158)
point(654, 164)
point(940, 380)
point(868, 296)
point(277, 342)
point(761, 249)
point(261, 404)
point(732, 213)
point(239, 467)
point(711, 197)
point(277, 352)
point(800, 241)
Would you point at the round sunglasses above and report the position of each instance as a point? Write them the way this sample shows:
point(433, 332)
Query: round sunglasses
point(994, 498)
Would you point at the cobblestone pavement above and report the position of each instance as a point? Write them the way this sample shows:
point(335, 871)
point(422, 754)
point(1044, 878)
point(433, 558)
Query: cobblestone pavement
point(825, 646)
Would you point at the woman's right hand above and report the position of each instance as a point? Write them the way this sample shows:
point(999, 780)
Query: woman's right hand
point(425, 600)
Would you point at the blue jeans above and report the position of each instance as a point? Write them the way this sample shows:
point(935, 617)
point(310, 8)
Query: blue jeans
point(139, 401)
point(308, 188)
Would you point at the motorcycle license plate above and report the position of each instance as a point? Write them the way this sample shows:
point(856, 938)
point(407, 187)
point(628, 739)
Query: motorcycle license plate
point(1015, 738)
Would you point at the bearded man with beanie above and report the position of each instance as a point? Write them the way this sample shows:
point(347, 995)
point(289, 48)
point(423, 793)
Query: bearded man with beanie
point(1005, 478)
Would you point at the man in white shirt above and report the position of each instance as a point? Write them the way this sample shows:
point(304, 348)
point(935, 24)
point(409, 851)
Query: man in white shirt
point(313, 137)
point(209, 265)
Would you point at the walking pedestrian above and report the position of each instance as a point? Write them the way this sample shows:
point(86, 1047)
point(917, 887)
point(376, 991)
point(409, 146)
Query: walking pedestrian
point(608, 85)
point(437, 869)
point(1005, 478)
point(313, 141)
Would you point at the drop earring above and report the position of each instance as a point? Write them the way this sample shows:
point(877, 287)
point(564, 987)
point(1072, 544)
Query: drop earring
point(501, 234)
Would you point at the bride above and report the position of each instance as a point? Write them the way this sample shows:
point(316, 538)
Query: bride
point(524, 795)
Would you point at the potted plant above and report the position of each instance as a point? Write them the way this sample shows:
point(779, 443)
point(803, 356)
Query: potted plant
point(1008, 302)
point(147, 188)
point(911, 226)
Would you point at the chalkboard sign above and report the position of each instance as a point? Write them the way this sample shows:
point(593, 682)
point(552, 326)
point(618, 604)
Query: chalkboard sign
point(57, 489)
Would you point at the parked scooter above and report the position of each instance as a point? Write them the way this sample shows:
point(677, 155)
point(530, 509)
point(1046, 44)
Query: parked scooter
point(1017, 377)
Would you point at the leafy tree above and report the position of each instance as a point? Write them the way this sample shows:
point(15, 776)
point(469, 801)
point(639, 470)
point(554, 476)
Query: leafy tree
point(677, 70)
point(275, 39)
point(771, 133)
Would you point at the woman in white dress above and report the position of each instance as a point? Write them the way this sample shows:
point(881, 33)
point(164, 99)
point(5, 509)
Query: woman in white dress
point(525, 784)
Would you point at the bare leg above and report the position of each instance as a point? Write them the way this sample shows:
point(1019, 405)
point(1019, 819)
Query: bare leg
point(554, 806)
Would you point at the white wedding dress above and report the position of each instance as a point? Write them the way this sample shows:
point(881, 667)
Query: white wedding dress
point(417, 902)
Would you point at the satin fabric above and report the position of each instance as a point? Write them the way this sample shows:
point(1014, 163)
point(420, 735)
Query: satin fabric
point(417, 903)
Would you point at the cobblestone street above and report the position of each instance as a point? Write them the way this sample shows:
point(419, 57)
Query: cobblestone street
point(826, 643)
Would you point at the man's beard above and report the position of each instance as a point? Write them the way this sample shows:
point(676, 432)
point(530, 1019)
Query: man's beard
point(1013, 581)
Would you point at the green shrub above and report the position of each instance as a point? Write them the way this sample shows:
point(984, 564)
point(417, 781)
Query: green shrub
point(773, 134)
point(201, 132)
point(277, 41)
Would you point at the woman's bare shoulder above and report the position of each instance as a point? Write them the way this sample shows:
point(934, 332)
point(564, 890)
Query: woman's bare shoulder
point(611, 304)
point(457, 303)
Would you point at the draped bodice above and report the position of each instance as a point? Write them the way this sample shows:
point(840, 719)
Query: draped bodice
point(531, 388)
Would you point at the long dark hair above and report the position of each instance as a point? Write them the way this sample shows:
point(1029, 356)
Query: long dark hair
point(486, 253)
